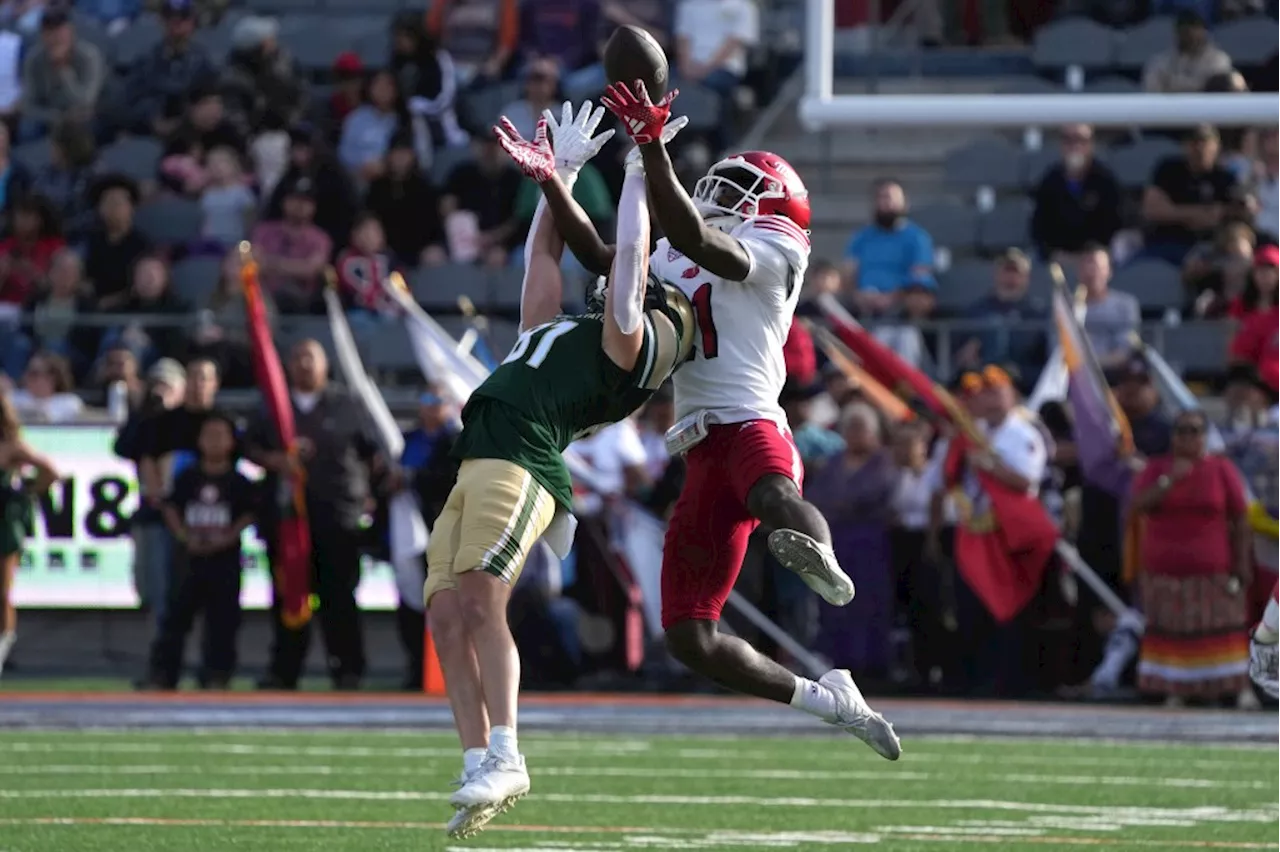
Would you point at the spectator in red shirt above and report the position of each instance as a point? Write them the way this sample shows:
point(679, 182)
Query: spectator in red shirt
point(25, 256)
point(292, 252)
point(362, 266)
point(799, 355)
point(1259, 294)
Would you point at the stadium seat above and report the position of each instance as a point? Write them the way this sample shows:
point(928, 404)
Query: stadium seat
point(480, 109)
point(1134, 164)
point(1074, 41)
point(283, 7)
point(1199, 346)
point(385, 346)
point(1006, 226)
point(138, 157)
point(196, 279)
point(374, 46)
point(991, 161)
point(385, 8)
point(169, 221)
point(91, 30)
point(1143, 41)
point(439, 287)
point(215, 41)
point(962, 285)
point(505, 287)
point(34, 155)
point(1030, 86)
point(291, 330)
point(137, 40)
point(1156, 284)
point(1248, 41)
point(1035, 163)
point(314, 46)
point(1112, 84)
point(1042, 284)
point(950, 225)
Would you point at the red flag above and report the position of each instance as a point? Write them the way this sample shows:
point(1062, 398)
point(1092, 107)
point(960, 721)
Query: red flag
point(1001, 555)
point(293, 568)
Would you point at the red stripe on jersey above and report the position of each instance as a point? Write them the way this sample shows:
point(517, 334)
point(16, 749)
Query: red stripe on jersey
point(784, 226)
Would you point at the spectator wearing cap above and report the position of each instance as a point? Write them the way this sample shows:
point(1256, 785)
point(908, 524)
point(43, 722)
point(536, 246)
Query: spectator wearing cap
point(428, 79)
point(66, 178)
point(158, 82)
point(1189, 197)
point(479, 205)
point(886, 255)
point(1139, 399)
point(367, 131)
point(1266, 185)
point(336, 199)
point(114, 243)
point(541, 89)
point(292, 252)
point(61, 77)
point(1259, 293)
point(1077, 201)
point(481, 36)
point(261, 77)
point(206, 12)
point(408, 207)
point(561, 31)
point(989, 339)
point(901, 330)
point(348, 93)
point(1190, 63)
point(1111, 318)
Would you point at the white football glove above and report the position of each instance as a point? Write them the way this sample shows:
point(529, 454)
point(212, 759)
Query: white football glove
point(1264, 661)
point(669, 131)
point(571, 138)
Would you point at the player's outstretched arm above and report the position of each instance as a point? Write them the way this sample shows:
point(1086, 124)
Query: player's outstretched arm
point(574, 145)
point(624, 297)
point(713, 250)
point(542, 290)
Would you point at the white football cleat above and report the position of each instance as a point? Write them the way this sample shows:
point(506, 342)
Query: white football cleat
point(856, 716)
point(1265, 665)
point(491, 790)
point(815, 562)
point(466, 821)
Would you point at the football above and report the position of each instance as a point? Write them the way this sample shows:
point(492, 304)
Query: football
point(632, 54)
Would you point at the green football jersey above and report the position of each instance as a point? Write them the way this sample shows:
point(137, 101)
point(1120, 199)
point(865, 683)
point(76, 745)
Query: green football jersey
point(557, 385)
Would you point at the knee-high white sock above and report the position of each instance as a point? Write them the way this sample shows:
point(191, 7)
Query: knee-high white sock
point(814, 699)
point(502, 742)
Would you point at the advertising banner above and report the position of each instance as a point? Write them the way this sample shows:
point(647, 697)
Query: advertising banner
point(80, 554)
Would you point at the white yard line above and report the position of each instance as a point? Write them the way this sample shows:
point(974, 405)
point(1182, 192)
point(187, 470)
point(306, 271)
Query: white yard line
point(806, 775)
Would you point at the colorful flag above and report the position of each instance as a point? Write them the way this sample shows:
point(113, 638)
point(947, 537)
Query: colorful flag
point(890, 405)
point(1104, 443)
point(292, 569)
point(1003, 551)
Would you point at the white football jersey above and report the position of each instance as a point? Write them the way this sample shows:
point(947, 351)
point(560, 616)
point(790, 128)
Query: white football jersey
point(737, 369)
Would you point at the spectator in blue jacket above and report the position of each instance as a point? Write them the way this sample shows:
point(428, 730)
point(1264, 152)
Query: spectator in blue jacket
point(888, 254)
point(158, 82)
point(988, 338)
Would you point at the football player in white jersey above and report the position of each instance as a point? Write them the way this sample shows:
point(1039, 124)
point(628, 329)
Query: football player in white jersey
point(738, 249)
point(1263, 657)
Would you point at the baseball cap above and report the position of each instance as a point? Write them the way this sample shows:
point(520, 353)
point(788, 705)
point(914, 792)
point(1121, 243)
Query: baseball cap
point(430, 398)
point(348, 62)
point(994, 376)
point(166, 371)
point(1134, 368)
point(303, 187)
point(1267, 256)
point(55, 15)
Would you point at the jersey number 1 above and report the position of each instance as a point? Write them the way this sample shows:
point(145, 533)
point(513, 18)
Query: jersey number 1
point(706, 321)
point(550, 332)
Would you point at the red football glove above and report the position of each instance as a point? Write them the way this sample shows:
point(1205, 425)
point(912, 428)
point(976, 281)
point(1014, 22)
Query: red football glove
point(641, 118)
point(534, 158)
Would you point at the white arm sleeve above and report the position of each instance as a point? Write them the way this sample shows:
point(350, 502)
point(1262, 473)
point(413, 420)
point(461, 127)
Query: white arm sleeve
point(626, 285)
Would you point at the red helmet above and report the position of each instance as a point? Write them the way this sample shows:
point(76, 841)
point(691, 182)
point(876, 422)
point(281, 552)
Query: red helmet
point(750, 184)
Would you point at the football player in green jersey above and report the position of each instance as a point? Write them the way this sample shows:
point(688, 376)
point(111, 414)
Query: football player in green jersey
point(565, 377)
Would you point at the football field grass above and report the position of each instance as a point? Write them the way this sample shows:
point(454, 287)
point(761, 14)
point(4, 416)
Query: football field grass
point(323, 791)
